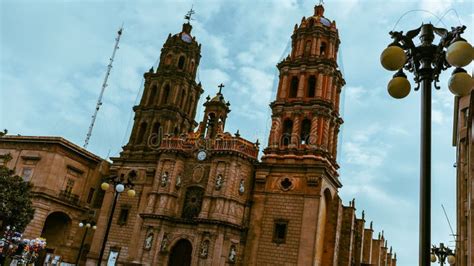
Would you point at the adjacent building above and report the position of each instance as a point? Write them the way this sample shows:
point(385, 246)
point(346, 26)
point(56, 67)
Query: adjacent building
point(66, 189)
point(203, 196)
point(463, 139)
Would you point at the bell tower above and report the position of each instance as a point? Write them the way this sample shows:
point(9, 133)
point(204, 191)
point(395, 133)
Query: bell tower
point(170, 95)
point(297, 179)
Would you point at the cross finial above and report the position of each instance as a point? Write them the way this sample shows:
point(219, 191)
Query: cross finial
point(321, 2)
point(220, 88)
point(189, 15)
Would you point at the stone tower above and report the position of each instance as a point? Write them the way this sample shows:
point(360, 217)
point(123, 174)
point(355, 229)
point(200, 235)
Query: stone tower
point(170, 95)
point(297, 180)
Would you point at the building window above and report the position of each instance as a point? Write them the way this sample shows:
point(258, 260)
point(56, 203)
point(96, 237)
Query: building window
point(294, 87)
point(307, 48)
point(123, 216)
point(279, 231)
point(181, 62)
point(141, 133)
point(26, 173)
point(99, 197)
point(91, 195)
point(69, 186)
point(322, 48)
point(192, 202)
point(287, 130)
point(183, 96)
point(305, 131)
point(151, 99)
point(311, 86)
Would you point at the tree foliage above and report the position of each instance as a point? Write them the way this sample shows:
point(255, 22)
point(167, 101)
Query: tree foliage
point(15, 200)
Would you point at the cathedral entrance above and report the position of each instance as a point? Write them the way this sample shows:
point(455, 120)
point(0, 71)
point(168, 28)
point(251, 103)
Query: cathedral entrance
point(180, 254)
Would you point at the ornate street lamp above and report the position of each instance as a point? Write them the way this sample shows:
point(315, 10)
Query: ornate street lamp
point(88, 223)
point(442, 253)
point(426, 61)
point(119, 184)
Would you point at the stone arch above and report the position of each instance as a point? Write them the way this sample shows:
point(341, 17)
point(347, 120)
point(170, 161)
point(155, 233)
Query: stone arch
point(325, 202)
point(294, 87)
point(169, 58)
point(56, 229)
point(329, 246)
point(166, 94)
point(323, 49)
point(152, 95)
point(141, 133)
point(305, 131)
point(181, 253)
point(287, 131)
point(181, 61)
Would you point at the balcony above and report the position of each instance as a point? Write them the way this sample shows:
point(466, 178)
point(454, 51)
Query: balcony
point(68, 197)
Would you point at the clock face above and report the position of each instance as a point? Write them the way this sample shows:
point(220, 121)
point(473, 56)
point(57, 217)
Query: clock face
point(201, 155)
point(186, 38)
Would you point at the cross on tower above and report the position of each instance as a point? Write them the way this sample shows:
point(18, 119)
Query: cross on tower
point(321, 2)
point(189, 15)
point(220, 88)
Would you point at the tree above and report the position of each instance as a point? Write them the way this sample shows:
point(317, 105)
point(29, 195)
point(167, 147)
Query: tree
point(15, 200)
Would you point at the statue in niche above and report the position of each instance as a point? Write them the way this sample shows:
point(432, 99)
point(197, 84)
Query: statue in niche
point(164, 243)
point(232, 253)
point(204, 249)
point(241, 186)
point(219, 181)
point(164, 179)
point(149, 241)
point(178, 182)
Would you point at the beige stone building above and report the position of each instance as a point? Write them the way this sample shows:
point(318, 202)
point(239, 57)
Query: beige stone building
point(463, 139)
point(66, 180)
point(203, 196)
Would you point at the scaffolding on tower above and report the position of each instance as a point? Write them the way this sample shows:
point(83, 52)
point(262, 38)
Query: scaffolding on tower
point(104, 85)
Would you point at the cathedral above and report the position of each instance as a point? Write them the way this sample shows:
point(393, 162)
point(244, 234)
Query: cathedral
point(203, 195)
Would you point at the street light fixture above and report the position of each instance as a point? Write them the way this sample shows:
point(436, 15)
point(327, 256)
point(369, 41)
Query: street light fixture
point(88, 223)
point(426, 61)
point(119, 183)
point(442, 253)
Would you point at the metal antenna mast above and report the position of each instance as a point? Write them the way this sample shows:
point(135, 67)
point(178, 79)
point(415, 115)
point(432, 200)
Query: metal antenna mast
point(104, 85)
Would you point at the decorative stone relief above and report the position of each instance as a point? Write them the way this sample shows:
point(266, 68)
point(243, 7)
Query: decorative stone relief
point(286, 184)
point(178, 182)
point(164, 243)
point(198, 173)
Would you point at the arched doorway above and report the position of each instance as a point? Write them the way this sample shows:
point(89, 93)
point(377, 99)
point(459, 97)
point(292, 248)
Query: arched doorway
point(56, 229)
point(180, 254)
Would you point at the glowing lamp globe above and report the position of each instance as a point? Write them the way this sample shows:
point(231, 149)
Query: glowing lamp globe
point(460, 83)
point(433, 258)
point(94, 227)
point(399, 87)
point(104, 186)
point(131, 193)
point(119, 188)
point(88, 225)
point(81, 224)
point(393, 58)
point(459, 54)
point(451, 259)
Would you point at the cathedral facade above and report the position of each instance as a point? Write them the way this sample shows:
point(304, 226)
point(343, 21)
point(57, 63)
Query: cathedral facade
point(203, 195)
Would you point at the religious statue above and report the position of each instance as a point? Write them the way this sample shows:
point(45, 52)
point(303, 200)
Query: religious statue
point(164, 179)
point(149, 241)
point(241, 186)
point(232, 254)
point(219, 182)
point(164, 243)
point(178, 181)
point(204, 249)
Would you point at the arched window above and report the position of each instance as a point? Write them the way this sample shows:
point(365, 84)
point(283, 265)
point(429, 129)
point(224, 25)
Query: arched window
point(294, 87)
point(156, 130)
point(287, 129)
point(322, 49)
point(151, 99)
point(176, 131)
point(141, 133)
point(181, 62)
point(166, 94)
point(305, 131)
point(307, 48)
point(311, 86)
point(192, 202)
point(183, 96)
point(311, 23)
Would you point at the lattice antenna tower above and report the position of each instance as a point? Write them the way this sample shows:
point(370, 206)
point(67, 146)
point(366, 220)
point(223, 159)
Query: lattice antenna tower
point(104, 85)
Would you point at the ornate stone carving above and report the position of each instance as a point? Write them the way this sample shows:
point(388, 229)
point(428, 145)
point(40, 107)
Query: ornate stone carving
point(232, 254)
point(148, 240)
point(204, 249)
point(241, 186)
point(219, 182)
point(164, 179)
point(164, 243)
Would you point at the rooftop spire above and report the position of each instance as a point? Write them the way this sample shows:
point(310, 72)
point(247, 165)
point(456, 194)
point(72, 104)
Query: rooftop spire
point(319, 9)
point(189, 15)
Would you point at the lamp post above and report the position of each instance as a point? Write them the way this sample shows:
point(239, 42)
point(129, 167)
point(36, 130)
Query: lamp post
point(426, 61)
point(89, 223)
point(442, 253)
point(119, 184)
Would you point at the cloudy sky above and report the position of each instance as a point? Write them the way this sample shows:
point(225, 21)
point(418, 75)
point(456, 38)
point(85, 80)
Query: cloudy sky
point(53, 57)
